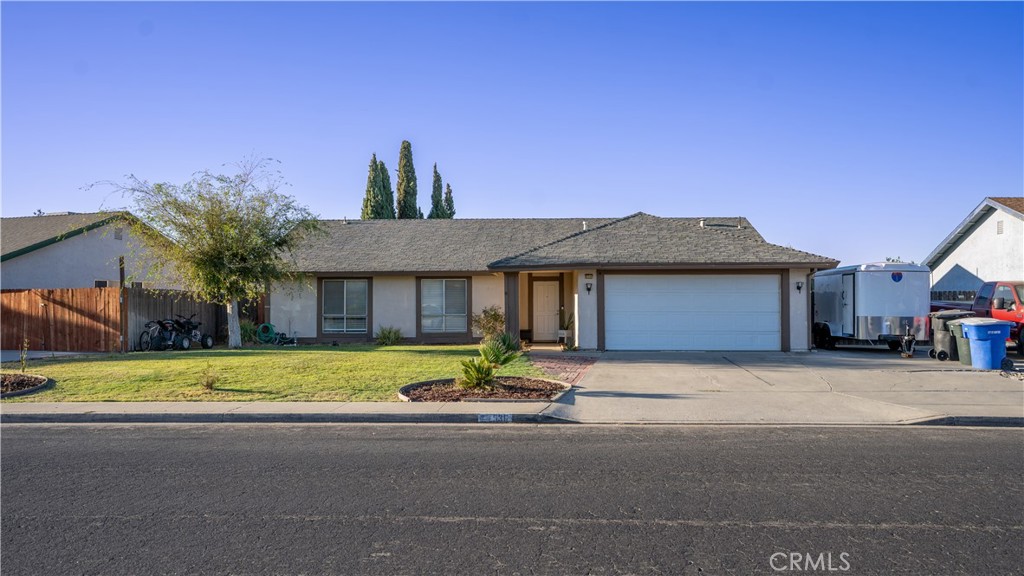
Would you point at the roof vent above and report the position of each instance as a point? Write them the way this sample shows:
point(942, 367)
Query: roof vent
point(702, 220)
point(584, 225)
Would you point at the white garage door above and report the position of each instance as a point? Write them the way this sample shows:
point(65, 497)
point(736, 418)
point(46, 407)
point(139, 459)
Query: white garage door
point(693, 312)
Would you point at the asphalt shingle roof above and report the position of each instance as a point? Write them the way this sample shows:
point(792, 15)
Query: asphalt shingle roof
point(22, 232)
point(642, 239)
point(469, 245)
point(458, 245)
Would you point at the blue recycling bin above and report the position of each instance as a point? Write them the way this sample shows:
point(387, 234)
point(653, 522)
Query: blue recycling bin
point(988, 341)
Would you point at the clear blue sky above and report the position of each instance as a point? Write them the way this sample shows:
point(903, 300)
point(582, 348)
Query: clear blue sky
point(853, 130)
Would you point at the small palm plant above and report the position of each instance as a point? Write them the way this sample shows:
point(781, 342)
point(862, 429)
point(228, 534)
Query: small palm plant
point(476, 373)
point(496, 353)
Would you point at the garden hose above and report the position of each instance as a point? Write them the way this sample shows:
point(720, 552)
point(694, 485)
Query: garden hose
point(266, 333)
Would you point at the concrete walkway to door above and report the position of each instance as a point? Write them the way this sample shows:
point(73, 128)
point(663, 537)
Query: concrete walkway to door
point(821, 387)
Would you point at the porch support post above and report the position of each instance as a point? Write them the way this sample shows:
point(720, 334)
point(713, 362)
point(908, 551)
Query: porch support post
point(512, 303)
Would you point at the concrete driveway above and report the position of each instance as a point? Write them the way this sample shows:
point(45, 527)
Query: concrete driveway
point(819, 387)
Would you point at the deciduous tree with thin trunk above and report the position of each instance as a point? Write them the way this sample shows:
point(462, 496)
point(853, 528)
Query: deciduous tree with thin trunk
point(226, 237)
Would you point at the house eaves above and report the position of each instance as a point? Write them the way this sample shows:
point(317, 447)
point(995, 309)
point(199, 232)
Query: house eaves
point(987, 206)
point(71, 233)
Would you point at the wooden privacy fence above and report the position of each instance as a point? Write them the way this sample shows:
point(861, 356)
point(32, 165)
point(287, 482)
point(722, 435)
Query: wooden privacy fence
point(145, 305)
point(93, 319)
point(67, 319)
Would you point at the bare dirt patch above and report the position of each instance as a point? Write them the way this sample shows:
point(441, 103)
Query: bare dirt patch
point(504, 388)
point(17, 382)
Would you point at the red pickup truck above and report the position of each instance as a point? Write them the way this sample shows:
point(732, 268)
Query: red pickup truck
point(999, 300)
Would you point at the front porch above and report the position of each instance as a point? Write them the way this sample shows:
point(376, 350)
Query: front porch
point(544, 306)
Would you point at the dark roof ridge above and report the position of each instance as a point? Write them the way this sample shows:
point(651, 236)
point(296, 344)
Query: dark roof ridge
point(360, 220)
point(573, 235)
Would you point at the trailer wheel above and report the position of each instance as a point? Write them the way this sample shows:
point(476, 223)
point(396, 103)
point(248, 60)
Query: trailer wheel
point(824, 340)
point(932, 354)
point(942, 355)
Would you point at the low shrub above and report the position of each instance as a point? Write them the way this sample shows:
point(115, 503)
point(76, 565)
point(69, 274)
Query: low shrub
point(495, 352)
point(489, 322)
point(476, 373)
point(248, 331)
point(388, 336)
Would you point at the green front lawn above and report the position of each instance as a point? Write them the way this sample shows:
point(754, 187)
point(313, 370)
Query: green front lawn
point(304, 373)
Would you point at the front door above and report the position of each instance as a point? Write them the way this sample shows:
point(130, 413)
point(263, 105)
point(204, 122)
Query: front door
point(545, 311)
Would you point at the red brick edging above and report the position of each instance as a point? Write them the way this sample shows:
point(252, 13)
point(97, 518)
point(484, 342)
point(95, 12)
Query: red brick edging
point(569, 369)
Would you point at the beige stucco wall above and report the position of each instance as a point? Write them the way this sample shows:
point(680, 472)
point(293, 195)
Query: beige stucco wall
point(79, 261)
point(488, 290)
point(293, 307)
point(585, 307)
point(394, 303)
point(293, 304)
point(984, 255)
point(799, 329)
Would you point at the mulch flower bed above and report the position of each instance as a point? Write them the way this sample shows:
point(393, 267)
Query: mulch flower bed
point(504, 388)
point(15, 382)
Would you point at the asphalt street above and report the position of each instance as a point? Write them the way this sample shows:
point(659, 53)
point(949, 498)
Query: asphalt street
point(509, 499)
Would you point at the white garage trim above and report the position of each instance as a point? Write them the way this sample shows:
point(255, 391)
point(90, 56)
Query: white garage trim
point(693, 312)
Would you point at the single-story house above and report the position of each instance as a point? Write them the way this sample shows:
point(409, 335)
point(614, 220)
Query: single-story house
point(71, 250)
point(987, 246)
point(634, 283)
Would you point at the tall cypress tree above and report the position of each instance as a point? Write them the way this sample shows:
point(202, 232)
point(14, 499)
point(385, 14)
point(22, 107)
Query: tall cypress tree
point(407, 207)
point(370, 201)
point(449, 202)
point(436, 197)
point(386, 207)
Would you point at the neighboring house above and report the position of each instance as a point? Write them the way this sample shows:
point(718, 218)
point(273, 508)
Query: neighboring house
point(70, 250)
point(634, 283)
point(987, 246)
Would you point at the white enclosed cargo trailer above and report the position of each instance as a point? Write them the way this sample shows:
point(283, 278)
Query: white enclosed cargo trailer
point(871, 304)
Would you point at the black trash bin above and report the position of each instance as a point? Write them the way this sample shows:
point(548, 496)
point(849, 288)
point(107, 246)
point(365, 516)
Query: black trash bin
point(963, 344)
point(943, 345)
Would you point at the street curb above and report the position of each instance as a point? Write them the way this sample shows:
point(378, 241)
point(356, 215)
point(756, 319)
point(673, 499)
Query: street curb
point(271, 418)
point(977, 421)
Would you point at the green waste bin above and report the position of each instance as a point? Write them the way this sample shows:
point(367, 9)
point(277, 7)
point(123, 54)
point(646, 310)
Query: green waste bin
point(963, 345)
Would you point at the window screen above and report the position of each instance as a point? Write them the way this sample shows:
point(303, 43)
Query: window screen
point(345, 304)
point(443, 306)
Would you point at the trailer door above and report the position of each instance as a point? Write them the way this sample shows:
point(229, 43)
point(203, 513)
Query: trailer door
point(847, 302)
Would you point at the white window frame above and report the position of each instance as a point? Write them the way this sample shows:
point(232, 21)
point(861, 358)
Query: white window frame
point(344, 306)
point(445, 315)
